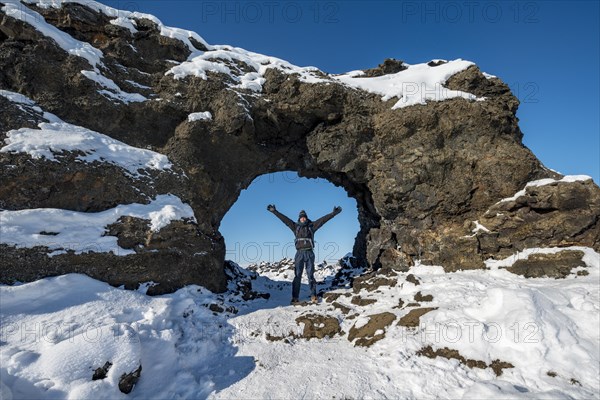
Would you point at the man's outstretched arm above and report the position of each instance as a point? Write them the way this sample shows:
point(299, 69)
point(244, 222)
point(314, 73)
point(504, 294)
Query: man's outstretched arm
point(321, 221)
point(288, 222)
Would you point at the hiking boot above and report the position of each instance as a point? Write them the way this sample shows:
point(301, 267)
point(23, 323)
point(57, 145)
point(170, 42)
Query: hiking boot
point(294, 301)
point(314, 300)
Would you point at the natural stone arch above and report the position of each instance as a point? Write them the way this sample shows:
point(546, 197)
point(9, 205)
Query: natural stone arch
point(418, 169)
point(367, 216)
point(308, 198)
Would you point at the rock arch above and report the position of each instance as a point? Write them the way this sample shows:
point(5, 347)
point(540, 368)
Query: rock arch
point(367, 215)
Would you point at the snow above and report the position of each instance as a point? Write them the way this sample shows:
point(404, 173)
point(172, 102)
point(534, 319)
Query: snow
point(200, 116)
point(61, 329)
point(127, 19)
point(539, 325)
point(547, 181)
point(57, 137)
point(113, 90)
point(18, 98)
point(479, 228)
point(62, 230)
point(524, 254)
point(138, 85)
point(208, 61)
point(198, 67)
point(22, 100)
point(14, 9)
point(417, 84)
point(361, 321)
point(126, 23)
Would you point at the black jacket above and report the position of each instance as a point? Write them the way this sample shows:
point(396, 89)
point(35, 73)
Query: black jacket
point(305, 231)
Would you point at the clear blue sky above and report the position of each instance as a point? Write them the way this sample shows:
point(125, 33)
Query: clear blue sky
point(547, 51)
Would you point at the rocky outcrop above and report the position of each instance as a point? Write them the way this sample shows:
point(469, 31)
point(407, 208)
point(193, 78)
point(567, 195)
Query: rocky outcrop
point(556, 214)
point(421, 174)
point(100, 373)
point(389, 66)
point(372, 331)
point(318, 326)
point(558, 265)
point(496, 365)
point(127, 381)
point(413, 317)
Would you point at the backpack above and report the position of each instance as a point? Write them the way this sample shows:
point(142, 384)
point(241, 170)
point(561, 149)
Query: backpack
point(304, 237)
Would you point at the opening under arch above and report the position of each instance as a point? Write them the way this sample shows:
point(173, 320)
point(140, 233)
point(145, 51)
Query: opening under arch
point(252, 234)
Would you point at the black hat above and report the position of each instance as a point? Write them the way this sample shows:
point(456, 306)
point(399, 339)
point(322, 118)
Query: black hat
point(302, 214)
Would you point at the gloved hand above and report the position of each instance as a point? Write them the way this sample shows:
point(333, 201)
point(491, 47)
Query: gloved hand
point(271, 207)
point(337, 209)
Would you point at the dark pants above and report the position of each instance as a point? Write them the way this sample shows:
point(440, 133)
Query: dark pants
point(304, 257)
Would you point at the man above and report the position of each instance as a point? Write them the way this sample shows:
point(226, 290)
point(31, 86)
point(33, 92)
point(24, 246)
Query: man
point(304, 231)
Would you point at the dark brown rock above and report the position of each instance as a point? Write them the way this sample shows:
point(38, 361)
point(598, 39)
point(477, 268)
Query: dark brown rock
point(413, 318)
point(412, 279)
point(497, 366)
point(371, 282)
point(400, 304)
point(559, 214)
point(367, 334)
point(558, 265)
point(127, 381)
point(389, 66)
point(436, 63)
point(215, 308)
point(359, 301)
point(319, 326)
point(241, 281)
point(100, 373)
point(421, 297)
point(449, 354)
point(331, 297)
point(341, 307)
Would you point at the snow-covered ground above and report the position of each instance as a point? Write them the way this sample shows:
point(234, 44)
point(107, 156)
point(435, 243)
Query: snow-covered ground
point(57, 331)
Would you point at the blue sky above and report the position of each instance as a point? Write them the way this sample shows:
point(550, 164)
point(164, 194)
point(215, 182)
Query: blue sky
point(546, 51)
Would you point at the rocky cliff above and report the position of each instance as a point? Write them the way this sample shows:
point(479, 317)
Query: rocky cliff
point(104, 113)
